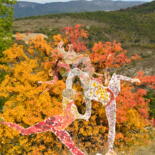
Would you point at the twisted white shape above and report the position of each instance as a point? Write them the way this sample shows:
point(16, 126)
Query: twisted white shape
point(114, 86)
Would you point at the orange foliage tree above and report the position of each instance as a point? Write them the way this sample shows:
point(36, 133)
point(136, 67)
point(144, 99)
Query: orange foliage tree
point(29, 102)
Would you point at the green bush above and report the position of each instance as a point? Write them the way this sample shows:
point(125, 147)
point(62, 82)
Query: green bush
point(6, 20)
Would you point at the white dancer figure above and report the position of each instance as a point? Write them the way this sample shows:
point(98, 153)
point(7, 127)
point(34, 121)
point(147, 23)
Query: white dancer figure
point(93, 90)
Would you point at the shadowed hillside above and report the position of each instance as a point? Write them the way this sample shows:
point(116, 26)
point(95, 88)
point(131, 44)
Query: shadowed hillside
point(25, 9)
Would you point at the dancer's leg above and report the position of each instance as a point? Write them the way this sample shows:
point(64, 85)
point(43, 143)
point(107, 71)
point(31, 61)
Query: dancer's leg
point(43, 127)
point(13, 125)
point(39, 127)
point(66, 139)
point(111, 116)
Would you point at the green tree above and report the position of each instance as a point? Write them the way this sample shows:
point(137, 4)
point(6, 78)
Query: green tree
point(6, 21)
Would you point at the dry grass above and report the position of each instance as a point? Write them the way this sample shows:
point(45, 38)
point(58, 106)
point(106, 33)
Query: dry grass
point(33, 25)
point(143, 150)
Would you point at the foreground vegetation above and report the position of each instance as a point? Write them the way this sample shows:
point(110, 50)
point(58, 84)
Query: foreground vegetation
point(28, 102)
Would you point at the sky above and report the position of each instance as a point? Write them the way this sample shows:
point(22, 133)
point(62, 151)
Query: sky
point(46, 1)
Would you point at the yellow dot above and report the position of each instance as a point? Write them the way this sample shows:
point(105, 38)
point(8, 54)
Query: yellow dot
point(94, 84)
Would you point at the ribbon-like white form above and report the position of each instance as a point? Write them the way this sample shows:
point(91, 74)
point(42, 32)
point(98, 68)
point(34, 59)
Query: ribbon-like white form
point(93, 90)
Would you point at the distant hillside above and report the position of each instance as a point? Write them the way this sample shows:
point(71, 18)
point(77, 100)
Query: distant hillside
point(133, 27)
point(25, 9)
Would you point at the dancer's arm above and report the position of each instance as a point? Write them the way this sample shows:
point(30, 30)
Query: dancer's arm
point(49, 82)
point(125, 78)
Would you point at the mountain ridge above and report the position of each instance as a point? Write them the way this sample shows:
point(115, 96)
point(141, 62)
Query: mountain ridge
point(25, 9)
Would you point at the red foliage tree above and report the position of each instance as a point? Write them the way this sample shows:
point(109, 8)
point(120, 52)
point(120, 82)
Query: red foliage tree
point(75, 36)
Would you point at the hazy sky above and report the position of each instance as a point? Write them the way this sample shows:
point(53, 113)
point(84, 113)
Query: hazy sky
point(46, 1)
